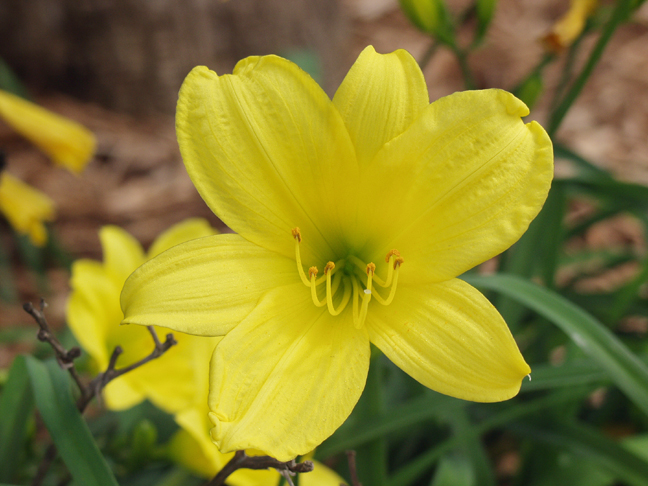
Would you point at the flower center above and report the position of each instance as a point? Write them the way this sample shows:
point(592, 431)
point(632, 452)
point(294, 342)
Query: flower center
point(356, 277)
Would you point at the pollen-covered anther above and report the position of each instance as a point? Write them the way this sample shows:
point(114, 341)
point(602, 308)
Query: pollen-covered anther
point(329, 266)
point(312, 272)
point(296, 233)
point(371, 268)
point(398, 261)
point(393, 252)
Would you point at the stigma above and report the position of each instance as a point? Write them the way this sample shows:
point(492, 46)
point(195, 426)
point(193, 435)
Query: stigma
point(349, 280)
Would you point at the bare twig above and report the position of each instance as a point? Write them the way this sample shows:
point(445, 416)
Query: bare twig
point(93, 389)
point(242, 461)
point(351, 457)
point(64, 357)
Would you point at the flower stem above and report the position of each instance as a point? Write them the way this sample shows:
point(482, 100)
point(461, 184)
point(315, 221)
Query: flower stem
point(462, 58)
point(428, 54)
point(619, 14)
point(373, 469)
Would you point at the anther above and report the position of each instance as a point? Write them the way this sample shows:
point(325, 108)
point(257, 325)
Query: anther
point(296, 234)
point(371, 267)
point(329, 266)
point(312, 272)
point(398, 262)
point(394, 252)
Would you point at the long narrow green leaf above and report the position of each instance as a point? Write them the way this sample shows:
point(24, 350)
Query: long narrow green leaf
point(419, 466)
point(590, 444)
point(16, 406)
point(417, 410)
point(627, 371)
point(585, 166)
point(70, 433)
point(473, 447)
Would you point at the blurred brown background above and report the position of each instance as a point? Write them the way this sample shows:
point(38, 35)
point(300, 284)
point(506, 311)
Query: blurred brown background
point(116, 67)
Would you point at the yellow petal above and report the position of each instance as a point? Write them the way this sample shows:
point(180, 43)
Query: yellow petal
point(66, 142)
point(268, 151)
point(321, 476)
point(93, 308)
point(192, 448)
point(285, 378)
point(451, 339)
point(120, 395)
point(379, 99)
point(201, 458)
point(25, 208)
point(459, 187)
point(205, 286)
point(186, 230)
point(122, 252)
point(567, 29)
point(173, 380)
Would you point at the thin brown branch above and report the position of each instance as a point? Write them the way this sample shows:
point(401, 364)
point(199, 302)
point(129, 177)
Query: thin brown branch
point(66, 359)
point(101, 380)
point(351, 457)
point(242, 461)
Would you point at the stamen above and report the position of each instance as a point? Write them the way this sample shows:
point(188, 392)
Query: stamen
point(398, 262)
point(366, 298)
point(390, 253)
point(354, 282)
point(356, 294)
point(392, 291)
point(313, 287)
point(297, 236)
point(345, 297)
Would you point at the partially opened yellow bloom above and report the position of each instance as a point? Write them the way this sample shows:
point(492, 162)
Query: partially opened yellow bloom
point(94, 317)
point(65, 141)
point(569, 26)
point(27, 209)
point(354, 218)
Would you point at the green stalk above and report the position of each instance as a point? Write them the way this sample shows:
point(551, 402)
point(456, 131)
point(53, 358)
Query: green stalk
point(619, 14)
point(372, 458)
point(428, 54)
point(462, 58)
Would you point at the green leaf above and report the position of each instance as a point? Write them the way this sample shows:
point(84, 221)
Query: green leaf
point(583, 165)
point(70, 433)
point(627, 371)
point(432, 17)
point(473, 448)
point(428, 406)
point(530, 90)
point(588, 443)
point(10, 82)
point(409, 473)
point(16, 406)
point(485, 11)
point(453, 470)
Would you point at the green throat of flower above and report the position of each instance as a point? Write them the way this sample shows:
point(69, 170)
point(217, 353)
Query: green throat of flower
point(357, 279)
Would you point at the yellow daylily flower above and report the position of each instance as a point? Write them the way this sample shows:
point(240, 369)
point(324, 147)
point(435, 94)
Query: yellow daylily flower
point(378, 173)
point(569, 26)
point(66, 142)
point(94, 317)
point(25, 207)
